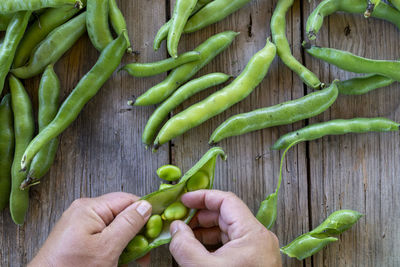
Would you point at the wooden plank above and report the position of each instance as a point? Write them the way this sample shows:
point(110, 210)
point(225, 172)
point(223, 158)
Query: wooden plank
point(359, 172)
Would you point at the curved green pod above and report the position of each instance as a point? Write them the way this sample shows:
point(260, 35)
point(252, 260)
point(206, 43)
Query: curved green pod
point(364, 84)
point(50, 50)
point(285, 113)
point(11, 6)
point(328, 7)
point(162, 199)
point(7, 142)
point(338, 222)
point(336, 127)
point(97, 23)
point(118, 23)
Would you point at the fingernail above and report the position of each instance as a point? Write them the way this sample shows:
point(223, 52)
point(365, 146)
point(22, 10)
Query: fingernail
point(144, 208)
point(175, 226)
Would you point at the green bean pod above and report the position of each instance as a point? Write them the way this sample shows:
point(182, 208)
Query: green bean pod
point(51, 49)
point(87, 88)
point(5, 20)
point(162, 33)
point(48, 94)
point(184, 92)
point(48, 21)
point(236, 91)
point(155, 68)
point(182, 11)
point(97, 23)
point(24, 128)
point(118, 22)
point(285, 113)
point(278, 31)
point(338, 222)
point(169, 173)
point(328, 7)
point(395, 3)
point(6, 149)
point(364, 84)
point(213, 12)
point(15, 31)
point(336, 127)
point(350, 62)
point(11, 6)
point(162, 199)
point(208, 50)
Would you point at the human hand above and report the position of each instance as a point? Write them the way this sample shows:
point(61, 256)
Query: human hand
point(94, 232)
point(222, 218)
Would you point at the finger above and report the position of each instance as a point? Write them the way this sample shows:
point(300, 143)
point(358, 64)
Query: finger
point(144, 261)
point(205, 219)
point(126, 225)
point(208, 236)
point(184, 246)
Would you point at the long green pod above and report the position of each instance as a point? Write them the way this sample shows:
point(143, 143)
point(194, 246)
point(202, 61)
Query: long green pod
point(208, 50)
point(5, 20)
point(337, 127)
point(118, 22)
point(395, 3)
point(48, 94)
point(51, 49)
point(87, 88)
point(364, 84)
point(7, 142)
point(236, 91)
point(162, 33)
point(162, 199)
point(155, 68)
point(338, 222)
point(97, 23)
point(213, 12)
point(184, 92)
point(328, 7)
point(350, 62)
point(285, 113)
point(24, 128)
point(278, 31)
point(48, 21)
point(11, 6)
point(15, 31)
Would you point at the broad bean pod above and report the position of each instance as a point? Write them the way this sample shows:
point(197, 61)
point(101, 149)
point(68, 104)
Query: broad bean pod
point(285, 113)
point(364, 84)
point(15, 31)
point(236, 91)
point(11, 6)
point(395, 3)
point(50, 50)
point(328, 7)
point(118, 22)
point(87, 88)
point(155, 68)
point(97, 23)
point(336, 127)
point(278, 31)
point(7, 142)
point(24, 128)
point(162, 199)
point(48, 94)
point(208, 50)
point(184, 92)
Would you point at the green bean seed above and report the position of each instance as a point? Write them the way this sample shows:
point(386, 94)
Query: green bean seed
point(87, 88)
point(337, 127)
point(175, 211)
point(221, 100)
point(208, 50)
point(15, 31)
point(281, 114)
point(198, 181)
point(48, 94)
point(6, 149)
point(118, 22)
point(364, 84)
point(154, 68)
point(24, 128)
point(11, 6)
point(169, 173)
point(138, 243)
point(50, 50)
point(184, 92)
point(154, 226)
point(97, 23)
point(278, 31)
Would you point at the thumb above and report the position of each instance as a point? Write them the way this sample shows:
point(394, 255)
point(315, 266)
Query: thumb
point(184, 247)
point(126, 225)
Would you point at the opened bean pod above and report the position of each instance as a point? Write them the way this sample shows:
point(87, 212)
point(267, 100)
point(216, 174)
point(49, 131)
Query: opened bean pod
point(166, 204)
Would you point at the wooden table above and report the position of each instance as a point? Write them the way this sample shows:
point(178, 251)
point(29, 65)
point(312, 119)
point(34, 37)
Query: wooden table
point(102, 151)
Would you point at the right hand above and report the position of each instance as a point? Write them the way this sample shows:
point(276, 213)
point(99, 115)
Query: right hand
point(222, 218)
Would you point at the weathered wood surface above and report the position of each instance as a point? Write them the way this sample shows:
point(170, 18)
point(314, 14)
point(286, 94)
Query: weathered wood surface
point(102, 151)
